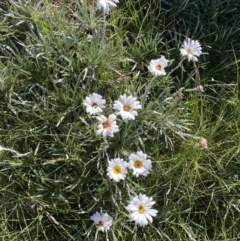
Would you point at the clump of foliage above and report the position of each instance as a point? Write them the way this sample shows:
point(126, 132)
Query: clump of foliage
point(53, 165)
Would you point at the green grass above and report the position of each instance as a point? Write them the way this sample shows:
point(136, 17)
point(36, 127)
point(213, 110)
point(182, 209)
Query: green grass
point(52, 56)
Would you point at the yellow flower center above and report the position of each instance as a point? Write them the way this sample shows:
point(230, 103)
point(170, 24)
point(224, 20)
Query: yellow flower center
point(127, 107)
point(100, 224)
point(159, 67)
point(141, 209)
point(94, 104)
point(189, 51)
point(138, 164)
point(117, 169)
point(106, 124)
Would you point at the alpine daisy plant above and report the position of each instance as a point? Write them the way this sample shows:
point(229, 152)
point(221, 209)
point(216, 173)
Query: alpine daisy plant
point(94, 104)
point(127, 107)
point(117, 169)
point(140, 209)
point(104, 4)
point(157, 66)
point(139, 163)
point(107, 125)
point(191, 49)
point(102, 221)
point(104, 111)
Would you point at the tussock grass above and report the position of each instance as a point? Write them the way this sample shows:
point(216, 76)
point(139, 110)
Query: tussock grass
point(52, 56)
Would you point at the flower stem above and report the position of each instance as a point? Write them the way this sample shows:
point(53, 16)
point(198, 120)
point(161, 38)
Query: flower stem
point(104, 29)
point(179, 64)
point(149, 86)
point(198, 79)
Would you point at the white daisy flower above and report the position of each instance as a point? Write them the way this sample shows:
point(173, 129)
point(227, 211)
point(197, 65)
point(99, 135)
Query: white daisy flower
point(139, 164)
point(192, 49)
point(107, 126)
point(94, 104)
point(156, 66)
point(103, 221)
point(117, 169)
point(127, 106)
point(140, 209)
point(104, 4)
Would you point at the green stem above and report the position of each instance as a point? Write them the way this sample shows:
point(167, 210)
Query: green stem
point(179, 64)
point(149, 86)
point(197, 73)
point(104, 29)
point(198, 82)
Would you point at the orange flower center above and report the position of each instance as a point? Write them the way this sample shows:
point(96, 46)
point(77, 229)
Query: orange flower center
point(189, 51)
point(117, 169)
point(159, 67)
point(127, 107)
point(141, 209)
point(138, 164)
point(106, 124)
